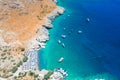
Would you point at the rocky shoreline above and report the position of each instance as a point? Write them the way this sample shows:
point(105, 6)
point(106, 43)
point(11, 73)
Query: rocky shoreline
point(33, 45)
point(43, 34)
point(40, 42)
point(58, 11)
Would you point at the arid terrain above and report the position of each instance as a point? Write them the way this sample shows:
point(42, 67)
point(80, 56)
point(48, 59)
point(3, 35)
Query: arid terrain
point(20, 21)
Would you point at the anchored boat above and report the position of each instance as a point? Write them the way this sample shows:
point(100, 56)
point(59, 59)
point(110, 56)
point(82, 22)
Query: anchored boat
point(61, 59)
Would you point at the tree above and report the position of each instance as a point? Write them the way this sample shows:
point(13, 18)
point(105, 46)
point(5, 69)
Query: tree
point(31, 73)
point(22, 49)
point(47, 76)
point(20, 63)
point(14, 69)
point(15, 77)
point(25, 58)
point(36, 75)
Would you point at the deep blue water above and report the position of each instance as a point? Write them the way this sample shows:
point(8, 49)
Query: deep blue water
point(93, 53)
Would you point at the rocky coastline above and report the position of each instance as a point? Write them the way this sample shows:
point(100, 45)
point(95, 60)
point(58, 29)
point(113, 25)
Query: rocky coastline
point(43, 34)
point(31, 47)
point(40, 42)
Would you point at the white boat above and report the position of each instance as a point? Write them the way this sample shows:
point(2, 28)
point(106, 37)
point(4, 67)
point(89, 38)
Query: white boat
point(59, 41)
point(79, 32)
point(88, 19)
point(63, 36)
point(63, 45)
point(61, 59)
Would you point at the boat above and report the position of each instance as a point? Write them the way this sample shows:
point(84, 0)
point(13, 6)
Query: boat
point(59, 41)
point(61, 59)
point(63, 45)
point(88, 19)
point(79, 32)
point(63, 36)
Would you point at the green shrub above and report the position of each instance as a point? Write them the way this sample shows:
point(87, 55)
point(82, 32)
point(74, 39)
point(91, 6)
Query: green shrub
point(22, 49)
point(36, 76)
point(14, 69)
point(25, 58)
point(47, 76)
point(14, 63)
point(15, 77)
point(4, 58)
point(20, 63)
point(8, 53)
point(24, 74)
point(31, 73)
point(5, 51)
point(3, 54)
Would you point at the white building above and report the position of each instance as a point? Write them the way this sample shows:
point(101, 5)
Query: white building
point(56, 76)
point(42, 73)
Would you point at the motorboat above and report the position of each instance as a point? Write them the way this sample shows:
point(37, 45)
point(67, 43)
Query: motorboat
point(61, 59)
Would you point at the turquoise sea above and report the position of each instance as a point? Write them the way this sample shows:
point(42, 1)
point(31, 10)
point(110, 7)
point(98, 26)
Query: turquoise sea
point(93, 54)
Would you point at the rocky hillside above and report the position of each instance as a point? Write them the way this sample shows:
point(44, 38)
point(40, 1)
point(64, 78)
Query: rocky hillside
point(20, 20)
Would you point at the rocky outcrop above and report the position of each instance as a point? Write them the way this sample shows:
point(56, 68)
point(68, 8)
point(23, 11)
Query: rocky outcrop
point(58, 11)
point(43, 35)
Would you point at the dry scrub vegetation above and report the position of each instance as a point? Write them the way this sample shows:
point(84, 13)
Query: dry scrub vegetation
point(20, 21)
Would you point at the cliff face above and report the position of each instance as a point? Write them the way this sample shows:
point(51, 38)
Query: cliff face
point(20, 20)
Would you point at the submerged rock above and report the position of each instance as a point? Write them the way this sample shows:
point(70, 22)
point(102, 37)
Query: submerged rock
point(64, 28)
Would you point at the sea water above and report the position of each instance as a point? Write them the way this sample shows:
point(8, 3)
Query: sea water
point(92, 54)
